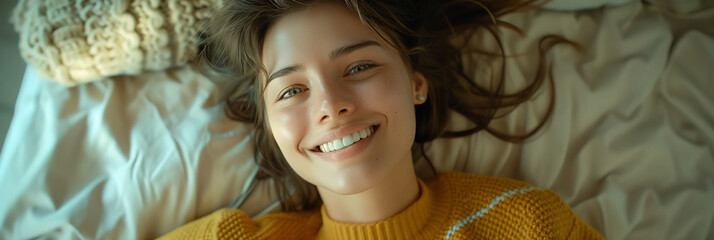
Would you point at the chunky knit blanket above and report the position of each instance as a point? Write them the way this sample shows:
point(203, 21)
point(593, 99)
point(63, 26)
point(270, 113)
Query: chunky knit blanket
point(77, 41)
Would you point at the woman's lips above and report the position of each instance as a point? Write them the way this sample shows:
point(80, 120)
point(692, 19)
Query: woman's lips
point(345, 141)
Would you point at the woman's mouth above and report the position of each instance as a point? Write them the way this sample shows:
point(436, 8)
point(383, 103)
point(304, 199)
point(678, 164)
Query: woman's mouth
point(347, 140)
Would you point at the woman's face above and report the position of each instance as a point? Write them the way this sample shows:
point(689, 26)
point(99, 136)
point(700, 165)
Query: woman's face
point(339, 100)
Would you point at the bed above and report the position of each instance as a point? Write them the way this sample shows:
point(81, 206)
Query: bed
point(630, 145)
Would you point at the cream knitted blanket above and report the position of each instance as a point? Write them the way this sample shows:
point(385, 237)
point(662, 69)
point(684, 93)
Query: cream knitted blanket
point(77, 41)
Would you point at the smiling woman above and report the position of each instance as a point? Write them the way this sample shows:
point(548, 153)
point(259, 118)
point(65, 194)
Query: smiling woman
point(351, 80)
point(342, 94)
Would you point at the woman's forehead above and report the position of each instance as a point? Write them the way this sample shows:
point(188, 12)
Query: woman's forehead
point(311, 34)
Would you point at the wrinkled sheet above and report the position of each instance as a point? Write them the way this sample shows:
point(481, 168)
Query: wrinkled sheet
point(629, 147)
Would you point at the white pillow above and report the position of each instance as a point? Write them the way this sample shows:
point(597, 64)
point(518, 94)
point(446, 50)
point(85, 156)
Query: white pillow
point(73, 42)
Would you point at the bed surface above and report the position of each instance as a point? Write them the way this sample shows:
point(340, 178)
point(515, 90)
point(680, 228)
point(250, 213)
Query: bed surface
point(630, 145)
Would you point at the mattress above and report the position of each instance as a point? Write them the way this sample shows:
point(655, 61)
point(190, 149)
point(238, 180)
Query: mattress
point(630, 145)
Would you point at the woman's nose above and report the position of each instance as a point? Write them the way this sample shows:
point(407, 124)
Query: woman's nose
point(333, 102)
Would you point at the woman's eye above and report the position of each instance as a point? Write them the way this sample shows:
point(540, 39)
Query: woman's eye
point(290, 92)
point(359, 68)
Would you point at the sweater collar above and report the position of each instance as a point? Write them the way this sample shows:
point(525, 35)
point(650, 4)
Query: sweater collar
point(405, 225)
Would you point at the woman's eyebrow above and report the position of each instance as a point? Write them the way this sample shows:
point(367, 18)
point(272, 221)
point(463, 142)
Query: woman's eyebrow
point(351, 48)
point(284, 71)
point(333, 55)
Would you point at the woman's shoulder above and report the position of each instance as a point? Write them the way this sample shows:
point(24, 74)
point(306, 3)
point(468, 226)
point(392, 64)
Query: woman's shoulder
point(506, 208)
point(476, 190)
point(481, 187)
point(234, 223)
point(214, 225)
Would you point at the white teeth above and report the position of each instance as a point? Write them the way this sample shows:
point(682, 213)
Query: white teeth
point(345, 141)
point(338, 144)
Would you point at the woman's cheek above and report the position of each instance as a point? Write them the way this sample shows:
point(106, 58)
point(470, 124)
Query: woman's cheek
point(288, 127)
point(393, 88)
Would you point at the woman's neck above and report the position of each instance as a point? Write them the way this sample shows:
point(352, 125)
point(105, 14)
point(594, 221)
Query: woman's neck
point(388, 197)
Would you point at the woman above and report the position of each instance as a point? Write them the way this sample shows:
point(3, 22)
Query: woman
point(345, 90)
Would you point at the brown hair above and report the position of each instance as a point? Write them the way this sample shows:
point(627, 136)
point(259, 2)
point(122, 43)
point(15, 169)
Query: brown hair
point(420, 30)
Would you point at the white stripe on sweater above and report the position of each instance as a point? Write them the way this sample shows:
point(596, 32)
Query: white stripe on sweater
point(483, 211)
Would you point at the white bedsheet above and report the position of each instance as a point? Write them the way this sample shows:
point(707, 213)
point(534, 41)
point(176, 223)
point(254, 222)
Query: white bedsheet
point(118, 158)
point(630, 146)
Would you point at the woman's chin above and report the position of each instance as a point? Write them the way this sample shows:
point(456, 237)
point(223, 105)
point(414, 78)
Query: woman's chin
point(349, 183)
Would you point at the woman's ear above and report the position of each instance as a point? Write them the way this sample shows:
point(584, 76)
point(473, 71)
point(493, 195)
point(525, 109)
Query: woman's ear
point(421, 88)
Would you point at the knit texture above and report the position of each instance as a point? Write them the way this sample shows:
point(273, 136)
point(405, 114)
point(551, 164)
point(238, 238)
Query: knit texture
point(451, 206)
point(75, 41)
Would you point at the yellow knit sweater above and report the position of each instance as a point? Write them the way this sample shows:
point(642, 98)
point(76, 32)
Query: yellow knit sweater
point(451, 206)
